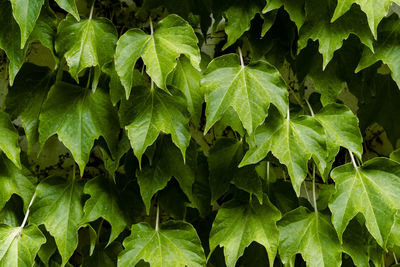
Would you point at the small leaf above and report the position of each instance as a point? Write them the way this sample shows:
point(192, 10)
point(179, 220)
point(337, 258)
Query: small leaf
point(310, 234)
point(19, 246)
point(159, 50)
point(9, 139)
point(69, 6)
point(295, 8)
point(238, 224)
point(174, 244)
point(58, 206)
point(88, 43)
point(247, 89)
point(78, 117)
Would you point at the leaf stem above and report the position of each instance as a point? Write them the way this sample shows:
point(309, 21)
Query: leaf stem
point(241, 57)
point(91, 10)
point(268, 177)
point(151, 26)
point(157, 215)
point(27, 211)
point(89, 78)
point(60, 70)
point(353, 160)
point(395, 258)
point(309, 106)
point(313, 191)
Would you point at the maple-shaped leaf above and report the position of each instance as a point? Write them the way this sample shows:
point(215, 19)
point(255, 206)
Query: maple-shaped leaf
point(87, 43)
point(238, 224)
point(373, 190)
point(175, 243)
point(78, 117)
point(19, 246)
point(69, 6)
point(26, 12)
point(294, 141)
point(247, 89)
point(15, 181)
point(105, 202)
point(310, 234)
point(9, 139)
point(10, 40)
point(25, 98)
point(295, 8)
point(330, 35)
point(186, 78)
point(172, 37)
point(375, 10)
point(151, 111)
point(386, 48)
point(58, 205)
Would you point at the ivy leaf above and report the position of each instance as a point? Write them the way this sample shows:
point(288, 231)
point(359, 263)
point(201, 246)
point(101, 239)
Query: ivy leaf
point(9, 139)
point(186, 78)
point(293, 141)
point(238, 224)
point(26, 12)
point(69, 6)
point(15, 181)
point(295, 8)
point(88, 43)
point(151, 111)
point(386, 48)
point(247, 89)
point(19, 246)
point(25, 98)
point(316, 239)
point(375, 10)
point(10, 40)
point(58, 206)
point(373, 190)
point(45, 29)
point(159, 50)
point(78, 117)
point(174, 244)
point(104, 202)
point(331, 35)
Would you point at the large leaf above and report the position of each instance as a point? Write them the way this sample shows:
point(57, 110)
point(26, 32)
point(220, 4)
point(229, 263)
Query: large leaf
point(372, 189)
point(331, 35)
point(9, 139)
point(10, 39)
point(375, 10)
point(25, 98)
point(247, 89)
point(19, 246)
point(15, 181)
point(238, 224)
point(88, 43)
point(310, 234)
point(293, 141)
point(159, 50)
point(151, 111)
point(173, 244)
point(105, 202)
point(26, 12)
point(78, 117)
point(386, 48)
point(58, 205)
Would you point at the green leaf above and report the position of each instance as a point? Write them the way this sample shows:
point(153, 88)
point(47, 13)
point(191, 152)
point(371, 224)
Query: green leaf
point(331, 35)
point(238, 20)
point(247, 89)
point(159, 50)
point(105, 202)
point(15, 181)
point(10, 39)
point(45, 29)
point(88, 43)
point(25, 98)
point(12, 213)
point(69, 6)
point(112, 162)
point(19, 246)
point(58, 205)
point(372, 189)
point(9, 139)
point(26, 12)
point(293, 141)
point(395, 155)
point(310, 234)
point(295, 8)
point(386, 48)
point(375, 10)
point(355, 243)
point(78, 117)
point(238, 224)
point(151, 111)
point(186, 78)
point(174, 244)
